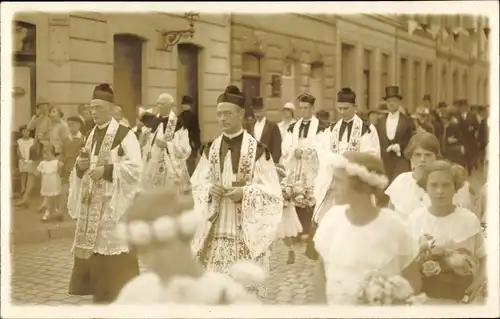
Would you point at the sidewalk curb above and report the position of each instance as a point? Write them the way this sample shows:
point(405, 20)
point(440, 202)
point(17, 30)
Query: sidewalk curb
point(42, 234)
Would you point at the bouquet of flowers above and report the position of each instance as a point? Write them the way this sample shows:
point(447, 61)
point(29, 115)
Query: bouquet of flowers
point(446, 273)
point(379, 290)
point(298, 194)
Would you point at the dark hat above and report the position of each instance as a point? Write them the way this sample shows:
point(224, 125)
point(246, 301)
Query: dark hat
point(232, 95)
point(392, 91)
point(346, 95)
point(442, 105)
point(456, 102)
point(464, 102)
point(323, 115)
point(306, 97)
point(75, 119)
point(258, 103)
point(103, 92)
point(427, 97)
point(475, 107)
point(186, 100)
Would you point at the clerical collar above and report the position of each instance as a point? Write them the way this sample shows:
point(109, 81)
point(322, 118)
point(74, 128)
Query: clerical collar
point(305, 121)
point(349, 120)
point(393, 115)
point(102, 126)
point(231, 136)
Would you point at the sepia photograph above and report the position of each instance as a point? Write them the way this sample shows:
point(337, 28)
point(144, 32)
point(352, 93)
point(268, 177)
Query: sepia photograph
point(170, 154)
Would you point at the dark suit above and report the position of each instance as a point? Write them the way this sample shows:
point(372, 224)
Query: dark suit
point(271, 137)
point(452, 151)
point(394, 164)
point(190, 121)
point(469, 127)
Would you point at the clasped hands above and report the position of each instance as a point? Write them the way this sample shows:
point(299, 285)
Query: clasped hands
point(394, 148)
point(235, 194)
point(95, 173)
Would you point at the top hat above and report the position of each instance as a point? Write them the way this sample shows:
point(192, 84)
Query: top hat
point(258, 103)
point(186, 100)
point(427, 97)
point(392, 91)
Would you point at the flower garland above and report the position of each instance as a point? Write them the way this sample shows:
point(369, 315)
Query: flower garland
point(162, 229)
point(298, 194)
point(360, 171)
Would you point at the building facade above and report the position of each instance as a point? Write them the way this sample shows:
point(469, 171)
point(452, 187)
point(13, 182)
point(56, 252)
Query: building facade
point(62, 57)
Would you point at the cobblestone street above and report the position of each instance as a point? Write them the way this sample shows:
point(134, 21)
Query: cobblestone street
point(41, 273)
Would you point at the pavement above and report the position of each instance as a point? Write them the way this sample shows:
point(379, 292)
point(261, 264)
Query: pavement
point(41, 272)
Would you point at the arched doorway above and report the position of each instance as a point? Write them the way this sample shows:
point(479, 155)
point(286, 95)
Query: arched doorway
point(127, 74)
point(24, 87)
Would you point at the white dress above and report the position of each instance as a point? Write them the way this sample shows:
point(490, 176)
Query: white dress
point(407, 196)
point(51, 181)
point(351, 252)
point(460, 229)
point(290, 225)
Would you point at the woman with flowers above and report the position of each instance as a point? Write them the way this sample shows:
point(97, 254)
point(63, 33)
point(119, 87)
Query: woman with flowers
point(366, 253)
point(452, 252)
point(161, 224)
point(404, 192)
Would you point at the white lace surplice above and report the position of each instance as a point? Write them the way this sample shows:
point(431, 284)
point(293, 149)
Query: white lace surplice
point(351, 252)
point(460, 229)
point(407, 196)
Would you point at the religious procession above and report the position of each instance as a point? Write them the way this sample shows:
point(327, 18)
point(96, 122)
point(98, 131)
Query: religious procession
point(382, 202)
point(372, 190)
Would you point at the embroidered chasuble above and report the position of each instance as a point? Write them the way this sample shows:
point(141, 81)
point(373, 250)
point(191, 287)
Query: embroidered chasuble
point(242, 230)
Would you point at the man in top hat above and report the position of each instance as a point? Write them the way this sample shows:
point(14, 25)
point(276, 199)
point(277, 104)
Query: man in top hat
point(190, 121)
point(236, 187)
point(103, 183)
point(394, 131)
point(265, 131)
point(350, 133)
point(299, 157)
point(288, 118)
point(167, 149)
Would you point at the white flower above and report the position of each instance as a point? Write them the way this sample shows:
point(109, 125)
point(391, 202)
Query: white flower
point(402, 288)
point(164, 228)
point(189, 222)
point(247, 273)
point(140, 232)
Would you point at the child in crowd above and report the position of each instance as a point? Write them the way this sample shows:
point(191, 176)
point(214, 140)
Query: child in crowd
point(51, 183)
point(23, 152)
point(160, 224)
point(70, 149)
point(466, 194)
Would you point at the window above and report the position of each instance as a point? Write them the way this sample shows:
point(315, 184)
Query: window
point(347, 65)
point(316, 84)
point(465, 86)
point(455, 88)
point(288, 93)
point(417, 87)
point(429, 79)
point(366, 92)
point(444, 80)
point(403, 78)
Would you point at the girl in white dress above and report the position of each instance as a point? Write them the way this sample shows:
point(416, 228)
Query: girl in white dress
point(449, 227)
point(355, 238)
point(290, 226)
point(51, 182)
point(23, 152)
point(161, 224)
point(404, 193)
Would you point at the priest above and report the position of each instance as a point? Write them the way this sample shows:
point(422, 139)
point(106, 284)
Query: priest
point(350, 133)
point(236, 187)
point(167, 150)
point(103, 185)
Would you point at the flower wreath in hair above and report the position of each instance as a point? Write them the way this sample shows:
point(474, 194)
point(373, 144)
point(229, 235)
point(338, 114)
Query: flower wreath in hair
point(353, 169)
point(162, 229)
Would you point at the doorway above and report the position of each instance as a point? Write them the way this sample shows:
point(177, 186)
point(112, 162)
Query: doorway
point(127, 74)
point(187, 73)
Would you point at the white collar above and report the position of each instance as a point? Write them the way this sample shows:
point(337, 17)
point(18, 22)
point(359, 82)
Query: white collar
point(103, 125)
point(393, 115)
point(262, 120)
point(77, 135)
point(231, 136)
point(350, 120)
